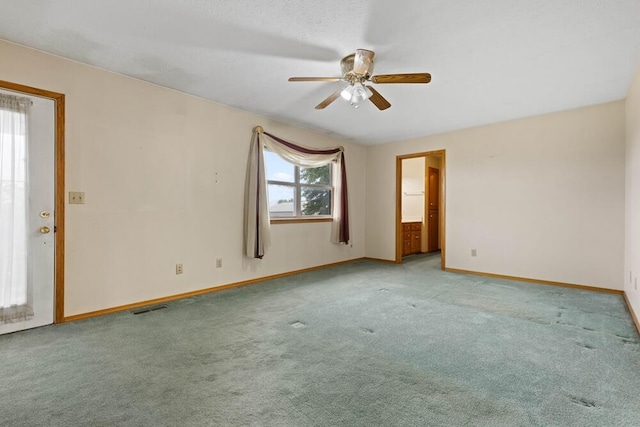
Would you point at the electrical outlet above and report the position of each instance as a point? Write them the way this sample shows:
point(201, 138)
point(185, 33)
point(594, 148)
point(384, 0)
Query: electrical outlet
point(218, 262)
point(76, 197)
point(179, 269)
point(474, 252)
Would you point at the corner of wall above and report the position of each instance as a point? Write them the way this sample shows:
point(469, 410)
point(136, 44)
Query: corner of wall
point(632, 199)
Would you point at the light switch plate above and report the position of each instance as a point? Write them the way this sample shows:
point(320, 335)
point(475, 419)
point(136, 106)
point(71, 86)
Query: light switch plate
point(76, 197)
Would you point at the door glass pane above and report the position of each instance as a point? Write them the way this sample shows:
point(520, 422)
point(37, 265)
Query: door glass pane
point(278, 169)
point(316, 201)
point(281, 200)
point(13, 212)
point(320, 176)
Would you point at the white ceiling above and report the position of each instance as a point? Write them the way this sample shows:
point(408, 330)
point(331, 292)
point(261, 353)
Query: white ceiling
point(491, 60)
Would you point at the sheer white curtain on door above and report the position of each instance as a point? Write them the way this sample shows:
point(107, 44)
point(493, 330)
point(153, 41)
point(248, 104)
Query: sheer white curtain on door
point(15, 298)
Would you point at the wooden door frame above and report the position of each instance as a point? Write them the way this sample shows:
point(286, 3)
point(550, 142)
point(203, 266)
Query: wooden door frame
point(59, 101)
point(442, 207)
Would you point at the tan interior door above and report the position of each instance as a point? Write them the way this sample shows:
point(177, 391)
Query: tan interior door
point(433, 216)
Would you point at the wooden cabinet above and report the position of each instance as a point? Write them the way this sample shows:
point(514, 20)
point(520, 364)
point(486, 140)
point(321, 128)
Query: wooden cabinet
point(411, 238)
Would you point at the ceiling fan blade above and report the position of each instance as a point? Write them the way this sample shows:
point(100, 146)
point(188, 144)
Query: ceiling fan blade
point(362, 61)
point(329, 99)
point(378, 100)
point(314, 79)
point(402, 78)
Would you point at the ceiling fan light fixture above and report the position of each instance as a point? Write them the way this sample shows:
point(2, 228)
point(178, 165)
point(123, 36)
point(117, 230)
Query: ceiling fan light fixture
point(359, 93)
point(355, 93)
point(347, 93)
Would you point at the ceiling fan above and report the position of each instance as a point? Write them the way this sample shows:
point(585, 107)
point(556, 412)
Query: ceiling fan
point(356, 71)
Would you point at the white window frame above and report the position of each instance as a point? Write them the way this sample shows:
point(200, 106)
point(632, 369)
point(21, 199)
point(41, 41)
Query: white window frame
point(297, 193)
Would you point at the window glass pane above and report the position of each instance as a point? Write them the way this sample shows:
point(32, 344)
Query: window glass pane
point(321, 175)
point(281, 200)
point(316, 201)
point(278, 169)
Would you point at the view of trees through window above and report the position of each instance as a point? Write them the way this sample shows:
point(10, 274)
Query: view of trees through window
point(316, 200)
point(297, 191)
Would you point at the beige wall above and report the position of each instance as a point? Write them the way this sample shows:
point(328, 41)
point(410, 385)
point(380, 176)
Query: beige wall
point(632, 232)
point(541, 197)
point(164, 179)
point(413, 189)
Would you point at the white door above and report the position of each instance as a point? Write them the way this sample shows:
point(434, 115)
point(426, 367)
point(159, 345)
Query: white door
point(33, 177)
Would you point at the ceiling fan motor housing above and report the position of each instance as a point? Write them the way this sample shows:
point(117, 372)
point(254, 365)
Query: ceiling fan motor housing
point(347, 63)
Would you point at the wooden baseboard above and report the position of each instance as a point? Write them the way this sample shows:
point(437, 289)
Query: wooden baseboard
point(386, 261)
point(200, 292)
point(633, 313)
point(538, 281)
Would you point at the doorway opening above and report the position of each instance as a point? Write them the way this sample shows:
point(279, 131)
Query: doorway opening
point(420, 204)
point(44, 226)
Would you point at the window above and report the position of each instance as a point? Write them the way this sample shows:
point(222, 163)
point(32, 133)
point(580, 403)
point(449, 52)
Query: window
point(297, 192)
point(14, 282)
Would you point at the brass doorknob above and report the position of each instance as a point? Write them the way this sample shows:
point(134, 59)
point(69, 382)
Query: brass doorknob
point(45, 230)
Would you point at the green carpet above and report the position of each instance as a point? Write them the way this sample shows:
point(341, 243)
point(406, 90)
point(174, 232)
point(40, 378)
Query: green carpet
point(362, 344)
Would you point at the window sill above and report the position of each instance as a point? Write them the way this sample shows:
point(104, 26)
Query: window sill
point(299, 220)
